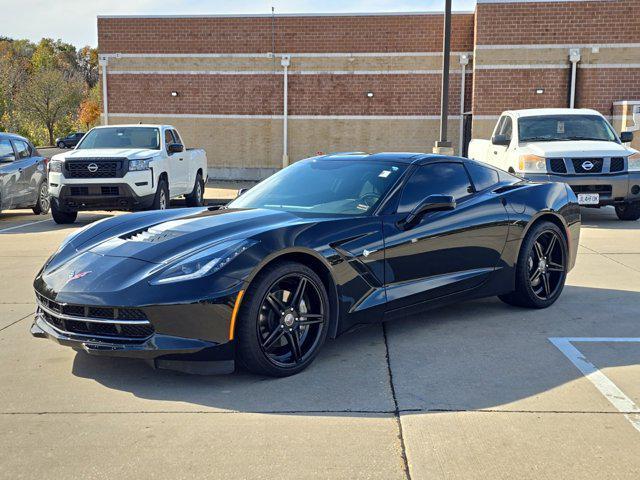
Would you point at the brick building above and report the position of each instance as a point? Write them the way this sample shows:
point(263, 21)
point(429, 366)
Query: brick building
point(253, 89)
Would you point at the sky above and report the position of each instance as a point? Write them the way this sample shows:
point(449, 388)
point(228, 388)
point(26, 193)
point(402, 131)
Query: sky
point(74, 21)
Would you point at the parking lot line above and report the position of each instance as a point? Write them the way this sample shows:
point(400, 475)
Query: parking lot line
point(609, 389)
point(24, 225)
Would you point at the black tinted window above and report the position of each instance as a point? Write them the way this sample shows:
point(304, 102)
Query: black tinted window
point(438, 178)
point(482, 177)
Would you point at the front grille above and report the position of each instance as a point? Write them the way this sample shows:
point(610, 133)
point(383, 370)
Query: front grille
point(102, 168)
point(578, 165)
point(79, 191)
point(601, 189)
point(110, 191)
point(617, 164)
point(109, 322)
point(557, 165)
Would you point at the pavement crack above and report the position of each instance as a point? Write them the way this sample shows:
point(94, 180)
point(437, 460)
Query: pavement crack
point(396, 412)
point(19, 320)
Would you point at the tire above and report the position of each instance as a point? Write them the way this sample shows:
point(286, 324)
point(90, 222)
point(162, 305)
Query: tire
point(196, 197)
point(628, 211)
point(43, 203)
point(60, 216)
point(540, 274)
point(161, 200)
point(304, 323)
point(61, 145)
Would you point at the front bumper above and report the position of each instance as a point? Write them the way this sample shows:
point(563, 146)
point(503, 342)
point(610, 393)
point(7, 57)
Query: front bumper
point(612, 188)
point(107, 196)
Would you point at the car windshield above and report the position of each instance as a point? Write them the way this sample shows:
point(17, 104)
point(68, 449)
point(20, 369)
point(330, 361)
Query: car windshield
point(556, 128)
point(121, 137)
point(343, 187)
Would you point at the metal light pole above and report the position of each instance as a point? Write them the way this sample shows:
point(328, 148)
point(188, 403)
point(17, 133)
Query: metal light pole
point(443, 145)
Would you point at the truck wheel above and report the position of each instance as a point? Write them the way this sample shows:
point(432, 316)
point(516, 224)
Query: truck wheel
point(196, 197)
point(42, 203)
point(628, 211)
point(61, 217)
point(161, 200)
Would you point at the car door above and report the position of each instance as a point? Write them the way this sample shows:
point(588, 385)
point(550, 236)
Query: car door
point(498, 154)
point(189, 164)
point(8, 175)
point(446, 251)
point(177, 167)
point(28, 174)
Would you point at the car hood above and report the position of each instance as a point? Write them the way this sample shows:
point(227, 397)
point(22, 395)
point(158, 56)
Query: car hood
point(576, 149)
point(161, 242)
point(100, 153)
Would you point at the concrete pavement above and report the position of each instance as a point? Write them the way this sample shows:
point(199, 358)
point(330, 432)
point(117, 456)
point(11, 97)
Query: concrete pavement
point(476, 390)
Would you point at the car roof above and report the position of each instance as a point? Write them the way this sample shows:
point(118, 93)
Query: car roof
point(536, 112)
point(12, 136)
point(127, 125)
point(387, 157)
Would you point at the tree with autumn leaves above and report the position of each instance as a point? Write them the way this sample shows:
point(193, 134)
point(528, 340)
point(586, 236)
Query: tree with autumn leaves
point(47, 89)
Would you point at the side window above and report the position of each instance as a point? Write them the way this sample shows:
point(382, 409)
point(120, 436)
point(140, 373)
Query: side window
point(168, 138)
point(507, 127)
point(499, 125)
point(177, 137)
point(482, 177)
point(23, 149)
point(6, 151)
point(434, 179)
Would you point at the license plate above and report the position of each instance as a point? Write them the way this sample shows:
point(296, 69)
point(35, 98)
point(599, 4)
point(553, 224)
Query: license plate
point(588, 198)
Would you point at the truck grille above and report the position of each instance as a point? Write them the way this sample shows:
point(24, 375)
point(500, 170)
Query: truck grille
point(109, 322)
point(579, 165)
point(617, 164)
point(604, 190)
point(557, 165)
point(94, 168)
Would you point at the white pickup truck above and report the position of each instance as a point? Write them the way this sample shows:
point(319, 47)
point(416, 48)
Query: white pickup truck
point(575, 146)
point(126, 167)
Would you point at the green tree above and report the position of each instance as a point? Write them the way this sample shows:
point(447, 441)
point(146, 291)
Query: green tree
point(49, 96)
point(87, 61)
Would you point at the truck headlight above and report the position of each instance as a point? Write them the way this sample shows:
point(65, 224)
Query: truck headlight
point(633, 162)
point(532, 164)
point(137, 165)
point(203, 262)
point(55, 166)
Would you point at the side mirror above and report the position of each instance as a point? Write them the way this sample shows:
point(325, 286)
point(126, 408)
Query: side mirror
point(176, 148)
point(626, 137)
point(501, 140)
point(241, 191)
point(433, 203)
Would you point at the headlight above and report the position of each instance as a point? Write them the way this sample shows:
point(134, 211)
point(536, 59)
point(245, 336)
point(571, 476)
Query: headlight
point(203, 262)
point(55, 166)
point(532, 164)
point(137, 165)
point(633, 162)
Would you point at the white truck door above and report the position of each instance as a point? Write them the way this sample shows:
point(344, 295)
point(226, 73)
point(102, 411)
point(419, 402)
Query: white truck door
point(498, 154)
point(189, 164)
point(178, 167)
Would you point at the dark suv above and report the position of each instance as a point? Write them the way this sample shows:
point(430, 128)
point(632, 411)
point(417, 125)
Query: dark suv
point(23, 175)
point(70, 140)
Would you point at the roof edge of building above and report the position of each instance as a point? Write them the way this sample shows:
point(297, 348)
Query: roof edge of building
point(294, 15)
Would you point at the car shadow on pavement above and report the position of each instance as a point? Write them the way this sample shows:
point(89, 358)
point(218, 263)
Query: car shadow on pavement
point(605, 218)
point(470, 356)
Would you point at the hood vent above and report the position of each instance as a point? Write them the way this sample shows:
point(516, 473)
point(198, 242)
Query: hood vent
point(149, 235)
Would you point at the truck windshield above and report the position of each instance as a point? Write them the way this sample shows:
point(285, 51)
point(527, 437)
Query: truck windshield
point(333, 186)
point(121, 137)
point(556, 128)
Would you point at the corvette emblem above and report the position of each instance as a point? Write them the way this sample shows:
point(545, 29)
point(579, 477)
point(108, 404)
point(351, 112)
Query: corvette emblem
point(587, 165)
point(92, 167)
point(76, 276)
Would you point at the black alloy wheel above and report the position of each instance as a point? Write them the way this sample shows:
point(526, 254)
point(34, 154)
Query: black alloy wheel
point(284, 320)
point(542, 268)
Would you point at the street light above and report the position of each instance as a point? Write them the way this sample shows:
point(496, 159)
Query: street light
point(443, 145)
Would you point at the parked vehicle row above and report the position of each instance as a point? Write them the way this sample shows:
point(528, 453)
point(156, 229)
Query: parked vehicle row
point(23, 175)
point(574, 146)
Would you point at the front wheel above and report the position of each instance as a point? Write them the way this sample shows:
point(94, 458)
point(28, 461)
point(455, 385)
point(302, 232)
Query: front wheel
point(542, 268)
point(61, 145)
point(628, 211)
point(161, 200)
point(60, 216)
point(196, 197)
point(43, 202)
point(284, 319)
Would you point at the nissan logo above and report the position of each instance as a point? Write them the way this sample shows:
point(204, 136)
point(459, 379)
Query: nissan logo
point(93, 168)
point(587, 165)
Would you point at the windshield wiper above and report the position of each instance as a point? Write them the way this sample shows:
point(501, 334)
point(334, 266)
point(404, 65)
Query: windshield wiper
point(588, 138)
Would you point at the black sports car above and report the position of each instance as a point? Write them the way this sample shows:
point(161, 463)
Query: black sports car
point(325, 244)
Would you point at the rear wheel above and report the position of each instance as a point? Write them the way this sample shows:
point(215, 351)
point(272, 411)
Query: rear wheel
point(542, 268)
point(196, 197)
point(284, 320)
point(43, 202)
point(61, 216)
point(61, 145)
point(628, 211)
point(161, 200)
